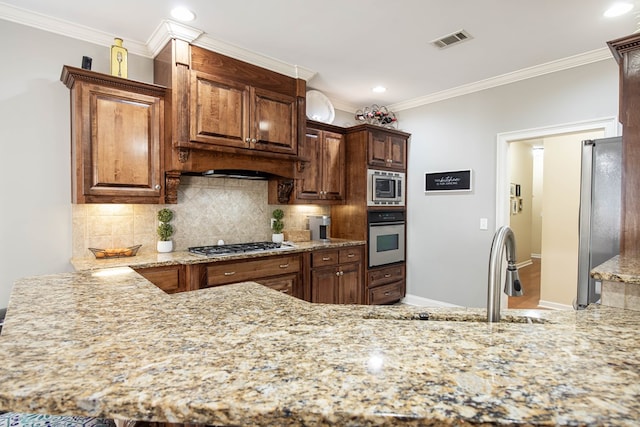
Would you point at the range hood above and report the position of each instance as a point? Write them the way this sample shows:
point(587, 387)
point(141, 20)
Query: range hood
point(234, 173)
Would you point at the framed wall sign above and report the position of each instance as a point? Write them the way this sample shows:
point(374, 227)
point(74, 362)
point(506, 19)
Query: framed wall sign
point(437, 182)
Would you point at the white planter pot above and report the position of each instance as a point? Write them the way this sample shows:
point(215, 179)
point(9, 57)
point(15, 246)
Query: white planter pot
point(277, 238)
point(165, 246)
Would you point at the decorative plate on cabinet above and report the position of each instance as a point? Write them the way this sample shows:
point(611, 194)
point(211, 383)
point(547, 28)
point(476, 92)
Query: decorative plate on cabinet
point(319, 108)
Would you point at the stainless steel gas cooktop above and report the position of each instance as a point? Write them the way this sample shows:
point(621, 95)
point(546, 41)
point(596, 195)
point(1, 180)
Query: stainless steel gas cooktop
point(235, 248)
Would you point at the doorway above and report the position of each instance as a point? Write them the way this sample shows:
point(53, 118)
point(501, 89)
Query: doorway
point(560, 203)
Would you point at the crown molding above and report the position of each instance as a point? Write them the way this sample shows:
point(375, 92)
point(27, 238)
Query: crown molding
point(66, 28)
point(526, 73)
point(168, 30)
point(254, 58)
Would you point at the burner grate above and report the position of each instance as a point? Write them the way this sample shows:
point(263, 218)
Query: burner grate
point(235, 248)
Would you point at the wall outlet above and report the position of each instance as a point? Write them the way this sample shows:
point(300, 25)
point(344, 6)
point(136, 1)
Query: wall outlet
point(484, 224)
point(272, 221)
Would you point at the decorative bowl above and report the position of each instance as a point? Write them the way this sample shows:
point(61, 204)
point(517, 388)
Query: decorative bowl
point(115, 252)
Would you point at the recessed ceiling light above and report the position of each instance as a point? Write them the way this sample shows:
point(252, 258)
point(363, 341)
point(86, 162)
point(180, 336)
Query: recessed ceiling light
point(379, 89)
point(617, 9)
point(183, 14)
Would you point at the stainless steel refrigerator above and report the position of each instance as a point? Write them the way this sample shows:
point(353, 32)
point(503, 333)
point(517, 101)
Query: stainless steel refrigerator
point(600, 198)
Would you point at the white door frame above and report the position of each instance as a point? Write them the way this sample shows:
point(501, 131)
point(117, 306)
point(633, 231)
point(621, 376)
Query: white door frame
point(611, 128)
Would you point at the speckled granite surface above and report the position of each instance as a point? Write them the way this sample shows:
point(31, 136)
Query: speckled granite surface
point(619, 269)
point(184, 257)
point(116, 346)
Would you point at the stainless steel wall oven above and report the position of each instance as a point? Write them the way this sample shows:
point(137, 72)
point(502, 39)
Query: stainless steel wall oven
point(386, 237)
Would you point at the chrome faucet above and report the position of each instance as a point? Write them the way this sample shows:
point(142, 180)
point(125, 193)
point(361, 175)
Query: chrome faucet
point(512, 287)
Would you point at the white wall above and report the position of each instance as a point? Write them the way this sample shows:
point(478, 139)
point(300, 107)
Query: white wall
point(447, 253)
point(35, 217)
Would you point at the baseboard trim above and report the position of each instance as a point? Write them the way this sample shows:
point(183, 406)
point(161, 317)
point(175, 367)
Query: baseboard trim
point(524, 263)
point(554, 305)
point(425, 302)
point(536, 256)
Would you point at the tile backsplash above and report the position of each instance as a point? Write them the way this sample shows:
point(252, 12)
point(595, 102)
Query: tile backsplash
point(208, 209)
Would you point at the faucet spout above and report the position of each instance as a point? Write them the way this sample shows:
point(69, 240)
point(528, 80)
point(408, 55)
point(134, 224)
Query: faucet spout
point(503, 239)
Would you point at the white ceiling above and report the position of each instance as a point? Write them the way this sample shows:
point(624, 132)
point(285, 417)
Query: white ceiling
point(353, 45)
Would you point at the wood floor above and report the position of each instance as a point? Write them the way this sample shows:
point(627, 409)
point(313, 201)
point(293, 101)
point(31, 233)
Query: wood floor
point(530, 280)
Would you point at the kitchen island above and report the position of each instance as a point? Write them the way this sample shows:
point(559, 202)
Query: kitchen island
point(108, 343)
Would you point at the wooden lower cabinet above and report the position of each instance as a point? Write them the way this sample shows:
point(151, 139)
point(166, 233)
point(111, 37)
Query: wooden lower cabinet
point(282, 273)
point(336, 276)
point(386, 285)
point(170, 278)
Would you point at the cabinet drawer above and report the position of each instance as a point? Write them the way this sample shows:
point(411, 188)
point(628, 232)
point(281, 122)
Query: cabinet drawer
point(386, 293)
point(324, 258)
point(385, 275)
point(350, 255)
point(242, 271)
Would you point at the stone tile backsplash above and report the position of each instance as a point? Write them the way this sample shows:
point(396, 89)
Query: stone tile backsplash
point(208, 209)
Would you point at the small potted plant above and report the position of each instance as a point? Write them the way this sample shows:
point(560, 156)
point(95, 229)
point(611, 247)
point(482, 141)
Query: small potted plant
point(277, 225)
point(165, 230)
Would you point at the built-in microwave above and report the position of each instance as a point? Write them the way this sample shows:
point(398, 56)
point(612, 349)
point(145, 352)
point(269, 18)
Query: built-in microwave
point(385, 188)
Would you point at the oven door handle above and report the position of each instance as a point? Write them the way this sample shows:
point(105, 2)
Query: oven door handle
point(381, 224)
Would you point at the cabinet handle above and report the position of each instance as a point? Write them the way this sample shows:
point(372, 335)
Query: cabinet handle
point(254, 140)
point(339, 273)
point(326, 258)
point(351, 255)
point(157, 187)
point(386, 294)
point(247, 140)
point(386, 276)
point(284, 291)
point(229, 273)
point(284, 265)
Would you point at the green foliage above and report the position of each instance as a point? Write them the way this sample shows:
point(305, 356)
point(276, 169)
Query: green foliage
point(165, 230)
point(277, 226)
point(165, 215)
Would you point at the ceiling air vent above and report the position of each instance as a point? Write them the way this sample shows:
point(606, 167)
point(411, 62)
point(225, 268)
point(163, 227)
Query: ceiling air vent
point(451, 39)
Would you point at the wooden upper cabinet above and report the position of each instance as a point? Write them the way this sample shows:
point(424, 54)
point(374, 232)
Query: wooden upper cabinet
point(117, 132)
point(227, 113)
point(387, 151)
point(273, 122)
point(321, 177)
point(219, 111)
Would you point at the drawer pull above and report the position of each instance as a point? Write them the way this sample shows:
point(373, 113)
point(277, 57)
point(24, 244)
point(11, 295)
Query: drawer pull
point(326, 258)
point(284, 265)
point(229, 273)
point(386, 294)
point(351, 255)
point(386, 276)
point(284, 291)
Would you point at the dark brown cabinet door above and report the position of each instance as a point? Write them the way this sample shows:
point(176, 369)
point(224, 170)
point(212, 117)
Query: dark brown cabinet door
point(117, 129)
point(324, 282)
point(349, 284)
point(333, 166)
point(219, 111)
point(308, 184)
point(287, 284)
point(387, 151)
point(274, 122)
point(322, 177)
point(170, 279)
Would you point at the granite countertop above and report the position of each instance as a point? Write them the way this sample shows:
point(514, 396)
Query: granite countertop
point(619, 269)
point(155, 259)
point(109, 343)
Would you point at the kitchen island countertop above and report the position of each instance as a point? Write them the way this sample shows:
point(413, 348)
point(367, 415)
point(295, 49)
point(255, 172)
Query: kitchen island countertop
point(155, 259)
point(99, 343)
